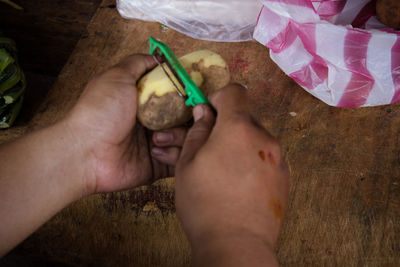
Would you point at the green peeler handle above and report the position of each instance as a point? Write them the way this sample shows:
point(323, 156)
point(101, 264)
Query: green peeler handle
point(194, 94)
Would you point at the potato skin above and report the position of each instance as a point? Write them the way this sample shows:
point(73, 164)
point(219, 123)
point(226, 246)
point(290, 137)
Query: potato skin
point(214, 77)
point(388, 12)
point(161, 112)
point(167, 111)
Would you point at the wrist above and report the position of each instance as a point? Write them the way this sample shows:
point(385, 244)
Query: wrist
point(74, 152)
point(41, 173)
point(230, 250)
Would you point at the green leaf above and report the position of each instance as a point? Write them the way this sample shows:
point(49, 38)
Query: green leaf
point(5, 59)
point(12, 94)
point(8, 72)
point(12, 77)
point(12, 4)
point(3, 105)
point(9, 46)
point(8, 116)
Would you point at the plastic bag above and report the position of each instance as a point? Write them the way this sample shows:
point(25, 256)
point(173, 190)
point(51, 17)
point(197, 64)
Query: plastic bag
point(215, 20)
point(336, 50)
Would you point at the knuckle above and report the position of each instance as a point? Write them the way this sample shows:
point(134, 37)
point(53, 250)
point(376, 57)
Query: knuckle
point(275, 148)
point(233, 86)
point(237, 86)
point(198, 130)
point(130, 58)
point(244, 127)
point(242, 130)
point(205, 123)
point(116, 77)
point(241, 121)
point(98, 77)
point(214, 96)
point(117, 71)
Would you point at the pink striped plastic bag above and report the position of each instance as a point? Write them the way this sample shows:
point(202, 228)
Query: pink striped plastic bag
point(336, 50)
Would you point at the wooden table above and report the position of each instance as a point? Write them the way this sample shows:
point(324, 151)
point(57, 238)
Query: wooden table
point(345, 169)
point(45, 35)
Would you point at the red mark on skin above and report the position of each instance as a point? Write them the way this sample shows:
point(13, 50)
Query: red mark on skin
point(261, 154)
point(277, 208)
point(271, 159)
point(238, 64)
point(368, 201)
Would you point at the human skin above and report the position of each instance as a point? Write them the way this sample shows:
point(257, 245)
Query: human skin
point(98, 147)
point(231, 185)
point(231, 181)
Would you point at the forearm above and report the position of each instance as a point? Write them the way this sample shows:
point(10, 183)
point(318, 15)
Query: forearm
point(40, 174)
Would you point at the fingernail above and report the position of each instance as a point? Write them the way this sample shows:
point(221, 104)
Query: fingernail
point(164, 137)
point(198, 112)
point(157, 151)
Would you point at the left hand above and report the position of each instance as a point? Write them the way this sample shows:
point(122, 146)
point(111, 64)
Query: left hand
point(97, 147)
point(118, 148)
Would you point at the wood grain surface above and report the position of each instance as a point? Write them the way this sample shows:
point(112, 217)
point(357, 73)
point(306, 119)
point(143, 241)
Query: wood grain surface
point(345, 168)
point(46, 33)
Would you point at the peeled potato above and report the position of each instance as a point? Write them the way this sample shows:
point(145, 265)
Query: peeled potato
point(159, 105)
point(388, 12)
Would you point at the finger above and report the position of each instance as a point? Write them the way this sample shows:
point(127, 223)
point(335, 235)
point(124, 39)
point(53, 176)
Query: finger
point(171, 137)
point(230, 100)
point(166, 155)
point(138, 64)
point(198, 135)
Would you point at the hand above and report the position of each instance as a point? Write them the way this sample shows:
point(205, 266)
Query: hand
point(231, 185)
point(104, 124)
point(98, 147)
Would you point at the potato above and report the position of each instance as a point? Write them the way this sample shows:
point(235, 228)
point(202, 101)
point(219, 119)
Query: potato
point(159, 105)
point(388, 12)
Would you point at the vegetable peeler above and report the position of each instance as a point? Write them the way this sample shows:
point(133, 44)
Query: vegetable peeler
point(181, 80)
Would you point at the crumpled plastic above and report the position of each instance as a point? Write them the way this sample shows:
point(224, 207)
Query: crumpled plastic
point(337, 50)
point(214, 20)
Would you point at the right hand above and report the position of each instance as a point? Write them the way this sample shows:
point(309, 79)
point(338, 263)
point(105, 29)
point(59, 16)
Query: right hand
point(231, 184)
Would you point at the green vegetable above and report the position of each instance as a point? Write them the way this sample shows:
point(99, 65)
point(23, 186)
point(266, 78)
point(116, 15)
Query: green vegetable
point(12, 4)
point(8, 116)
point(8, 72)
point(12, 83)
point(9, 46)
point(12, 75)
point(3, 105)
point(5, 59)
point(12, 94)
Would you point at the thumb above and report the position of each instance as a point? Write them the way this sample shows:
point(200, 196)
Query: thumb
point(138, 64)
point(198, 135)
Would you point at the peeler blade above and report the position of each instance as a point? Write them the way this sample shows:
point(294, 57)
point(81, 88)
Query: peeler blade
point(160, 59)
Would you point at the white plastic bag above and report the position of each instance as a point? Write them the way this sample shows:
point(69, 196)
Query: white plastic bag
point(215, 20)
point(344, 65)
